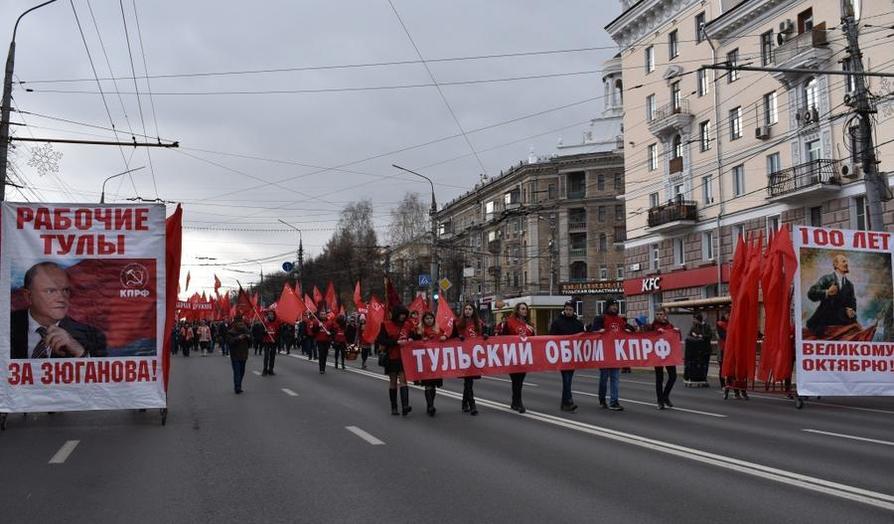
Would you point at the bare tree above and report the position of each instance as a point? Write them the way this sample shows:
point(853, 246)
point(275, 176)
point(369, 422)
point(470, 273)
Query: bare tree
point(409, 220)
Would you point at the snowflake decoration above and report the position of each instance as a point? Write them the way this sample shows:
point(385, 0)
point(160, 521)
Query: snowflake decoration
point(45, 159)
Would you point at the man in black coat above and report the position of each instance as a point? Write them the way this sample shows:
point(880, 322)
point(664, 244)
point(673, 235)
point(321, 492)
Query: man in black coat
point(44, 329)
point(837, 301)
point(567, 324)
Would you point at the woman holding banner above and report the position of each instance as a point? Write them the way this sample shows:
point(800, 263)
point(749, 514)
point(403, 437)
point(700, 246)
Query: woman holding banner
point(392, 336)
point(662, 389)
point(428, 330)
point(469, 326)
point(517, 324)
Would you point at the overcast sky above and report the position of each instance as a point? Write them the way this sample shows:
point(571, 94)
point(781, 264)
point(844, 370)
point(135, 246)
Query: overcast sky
point(290, 133)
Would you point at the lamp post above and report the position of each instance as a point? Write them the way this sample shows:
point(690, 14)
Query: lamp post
point(102, 195)
point(300, 251)
point(434, 231)
point(6, 104)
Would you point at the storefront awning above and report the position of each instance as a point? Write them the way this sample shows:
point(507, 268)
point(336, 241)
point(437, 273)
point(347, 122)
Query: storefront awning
point(698, 303)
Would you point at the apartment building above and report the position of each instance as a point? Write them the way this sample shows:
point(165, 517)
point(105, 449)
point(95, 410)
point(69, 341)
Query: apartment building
point(406, 262)
point(711, 155)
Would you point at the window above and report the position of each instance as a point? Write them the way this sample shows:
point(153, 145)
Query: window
point(707, 193)
point(739, 180)
point(813, 149)
point(735, 123)
point(767, 48)
point(600, 182)
point(653, 156)
point(619, 272)
point(653, 199)
point(551, 192)
point(816, 216)
point(577, 184)
point(771, 114)
point(512, 197)
point(708, 245)
point(619, 213)
point(772, 225)
point(603, 242)
point(704, 87)
point(672, 48)
point(699, 25)
point(860, 214)
point(679, 191)
point(811, 94)
point(805, 21)
point(489, 210)
point(704, 133)
point(618, 182)
point(650, 59)
point(491, 236)
point(677, 144)
point(603, 272)
point(732, 61)
point(600, 213)
point(650, 108)
point(654, 256)
point(579, 271)
point(577, 244)
point(679, 252)
point(774, 165)
point(676, 100)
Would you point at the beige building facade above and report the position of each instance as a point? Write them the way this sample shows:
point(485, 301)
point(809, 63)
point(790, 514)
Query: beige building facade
point(711, 155)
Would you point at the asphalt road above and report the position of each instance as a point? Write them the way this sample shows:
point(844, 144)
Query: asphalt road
point(304, 447)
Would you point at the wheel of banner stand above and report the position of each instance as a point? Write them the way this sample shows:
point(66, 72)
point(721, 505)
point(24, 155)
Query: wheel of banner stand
point(799, 402)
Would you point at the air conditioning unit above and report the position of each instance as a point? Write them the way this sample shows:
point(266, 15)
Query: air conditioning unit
point(762, 132)
point(787, 27)
point(849, 170)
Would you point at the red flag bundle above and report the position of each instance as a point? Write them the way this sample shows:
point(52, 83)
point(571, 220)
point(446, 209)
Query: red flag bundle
point(778, 347)
point(739, 356)
point(374, 319)
point(445, 317)
point(331, 297)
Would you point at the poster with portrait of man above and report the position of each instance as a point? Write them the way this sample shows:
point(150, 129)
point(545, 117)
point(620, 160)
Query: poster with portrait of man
point(83, 302)
point(844, 336)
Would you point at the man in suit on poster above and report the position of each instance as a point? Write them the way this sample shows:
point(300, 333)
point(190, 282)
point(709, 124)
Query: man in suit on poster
point(44, 329)
point(837, 301)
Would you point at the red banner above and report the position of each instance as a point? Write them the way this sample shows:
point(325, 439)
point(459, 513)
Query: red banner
point(501, 355)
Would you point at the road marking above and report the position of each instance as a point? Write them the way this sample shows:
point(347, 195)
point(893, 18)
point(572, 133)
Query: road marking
point(631, 401)
point(365, 436)
point(293, 355)
point(852, 437)
point(258, 373)
point(62, 455)
point(818, 403)
point(289, 392)
point(533, 385)
point(852, 493)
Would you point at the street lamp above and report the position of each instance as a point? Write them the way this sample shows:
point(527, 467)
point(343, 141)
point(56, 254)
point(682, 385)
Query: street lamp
point(102, 195)
point(434, 231)
point(7, 100)
point(300, 250)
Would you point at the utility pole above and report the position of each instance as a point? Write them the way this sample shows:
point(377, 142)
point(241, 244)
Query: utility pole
point(877, 189)
point(553, 252)
point(433, 213)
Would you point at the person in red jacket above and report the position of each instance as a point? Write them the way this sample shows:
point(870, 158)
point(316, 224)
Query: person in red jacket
point(469, 327)
point(323, 337)
point(428, 330)
point(610, 321)
point(339, 340)
point(662, 389)
point(392, 336)
point(272, 330)
point(517, 324)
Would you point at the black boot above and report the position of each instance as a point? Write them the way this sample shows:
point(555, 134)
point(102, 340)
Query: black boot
point(472, 409)
point(430, 401)
point(405, 400)
point(392, 394)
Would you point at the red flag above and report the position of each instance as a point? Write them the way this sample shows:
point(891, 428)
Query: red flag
point(289, 307)
point(374, 318)
point(298, 292)
point(225, 306)
point(785, 355)
point(358, 298)
point(244, 306)
point(771, 288)
point(173, 241)
point(331, 297)
point(341, 310)
point(187, 282)
point(317, 296)
point(738, 360)
point(445, 317)
point(309, 304)
point(391, 294)
point(216, 285)
point(419, 305)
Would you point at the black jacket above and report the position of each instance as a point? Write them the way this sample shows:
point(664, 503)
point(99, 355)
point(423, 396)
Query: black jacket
point(563, 325)
point(831, 310)
point(93, 340)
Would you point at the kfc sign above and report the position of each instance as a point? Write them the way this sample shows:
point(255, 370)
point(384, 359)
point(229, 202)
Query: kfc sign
point(651, 284)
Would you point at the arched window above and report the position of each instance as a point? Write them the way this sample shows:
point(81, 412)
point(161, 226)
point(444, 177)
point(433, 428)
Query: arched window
point(677, 146)
point(579, 272)
point(619, 92)
point(811, 93)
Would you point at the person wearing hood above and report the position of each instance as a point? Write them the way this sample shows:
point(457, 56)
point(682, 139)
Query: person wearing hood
point(393, 335)
point(567, 324)
point(609, 378)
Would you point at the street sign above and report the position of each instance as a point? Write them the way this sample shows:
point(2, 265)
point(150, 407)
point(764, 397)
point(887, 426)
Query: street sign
point(288, 267)
point(445, 284)
point(424, 280)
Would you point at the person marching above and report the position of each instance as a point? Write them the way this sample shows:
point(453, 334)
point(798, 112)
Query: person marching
point(365, 348)
point(204, 334)
point(270, 335)
point(469, 326)
point(393, 335)
point(609, 378)
point(517, 324)
point(427, 331)
point(187, 336)
point(662, 389)
point(308, 344)
point(567, 324)
point(339, 340)
point(238, 338)
point(323, 337)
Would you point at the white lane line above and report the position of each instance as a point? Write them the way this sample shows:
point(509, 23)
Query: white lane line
point(852, 437)
point(289, 392)
point(631, 401)
point(293, 355)
point(533, 385)
point(852, 493)
point(62, 455)
point(365, 436)
point(783, 398)
point(258, 373)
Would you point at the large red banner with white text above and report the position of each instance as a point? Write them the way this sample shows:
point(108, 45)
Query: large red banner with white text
point(512, 354)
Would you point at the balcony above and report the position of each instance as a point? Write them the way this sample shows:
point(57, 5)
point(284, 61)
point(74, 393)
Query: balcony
point(813, 180)
point(577, 225)
point(494, 246)
point(577, 252)
point(675, 215)
point(578, 191)
point(808, 50)
point(671, 119)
